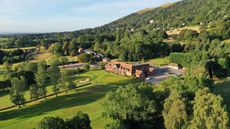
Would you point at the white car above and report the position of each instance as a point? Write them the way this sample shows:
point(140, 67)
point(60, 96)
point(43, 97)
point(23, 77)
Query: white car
point(149, 79)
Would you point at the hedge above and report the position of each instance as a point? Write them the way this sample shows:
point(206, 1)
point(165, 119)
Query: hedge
point(183, 59)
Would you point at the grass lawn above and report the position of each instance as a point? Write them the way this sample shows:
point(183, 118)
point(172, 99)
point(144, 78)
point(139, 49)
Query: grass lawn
point(46, 55)
point(153, 62)
point(3, 39)
point(42, 55)
point(72, 58)
point(158, 61)
point(1, 78)
point(5, 98)
point(178, 30)
point(223, 88)
point(88, 99)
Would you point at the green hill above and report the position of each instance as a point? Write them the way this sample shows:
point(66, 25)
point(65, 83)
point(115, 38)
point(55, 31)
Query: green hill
point(183, 13)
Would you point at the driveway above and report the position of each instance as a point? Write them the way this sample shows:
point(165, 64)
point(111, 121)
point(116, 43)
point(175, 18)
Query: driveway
point(74, 66)
point(162, 73)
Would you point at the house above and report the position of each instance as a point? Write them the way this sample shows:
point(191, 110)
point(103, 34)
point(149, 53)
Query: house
point(105, 60)
point(174, 66)
point(151, 21)
point(81, 50)
point(137, 70)
point(90, 52)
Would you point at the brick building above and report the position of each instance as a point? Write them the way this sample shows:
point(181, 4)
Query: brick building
point(137, 70)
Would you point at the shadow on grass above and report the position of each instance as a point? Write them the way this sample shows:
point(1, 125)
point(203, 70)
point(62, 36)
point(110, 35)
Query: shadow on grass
point(223, 89)
point(81, 97)
point(78, 78)
point(3, 93)
point(60, 102)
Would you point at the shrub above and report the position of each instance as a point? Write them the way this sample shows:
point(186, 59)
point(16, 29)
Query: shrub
point(52, 123)
point(84, 58)
point(71, 85)
point(80, 121)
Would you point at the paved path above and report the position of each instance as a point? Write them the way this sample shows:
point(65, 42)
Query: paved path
point(73, 66)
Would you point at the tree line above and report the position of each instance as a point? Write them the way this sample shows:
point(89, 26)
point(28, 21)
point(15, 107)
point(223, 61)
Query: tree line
point(17, 55)
point(35, 77)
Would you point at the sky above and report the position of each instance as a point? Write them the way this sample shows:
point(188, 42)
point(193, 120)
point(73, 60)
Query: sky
point(37, 16)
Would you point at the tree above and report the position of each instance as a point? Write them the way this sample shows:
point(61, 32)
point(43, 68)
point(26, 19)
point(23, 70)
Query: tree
point(209, 111)
point(73, 47)
point(66, 75)
point(44, 44)
point(97, 46)
point(41, 78)
point(123, 56)
point(56, 49)
point(2, 54)
point(163, 34)
point(131, 106)
point(52, 123)
point(187, 34)
point(7, 71)
point(117, 35)
point(175, 115)
point(115, 125)
point(54, 76)
point(216, 69)
point(222, 28)
point(71, 85)
point(66, 48)
point(80, 121)
point(84, 58)
point(18, 43)
point(87, 67)
point(176, 47)
point(223, 63)
point(34, 92)
point(17, 92)
point(63, 60)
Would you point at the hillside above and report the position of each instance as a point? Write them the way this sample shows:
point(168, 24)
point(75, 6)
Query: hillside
point(183, 13)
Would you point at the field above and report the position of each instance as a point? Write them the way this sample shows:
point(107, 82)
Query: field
point(227, 40)
point(144, 11)
point(177, 31)
point(88, 99)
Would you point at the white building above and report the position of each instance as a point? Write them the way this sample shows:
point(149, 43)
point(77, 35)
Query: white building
point(174, 66)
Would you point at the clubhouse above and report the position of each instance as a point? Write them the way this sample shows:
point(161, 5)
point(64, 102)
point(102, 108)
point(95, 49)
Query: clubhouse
point(137, 70)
